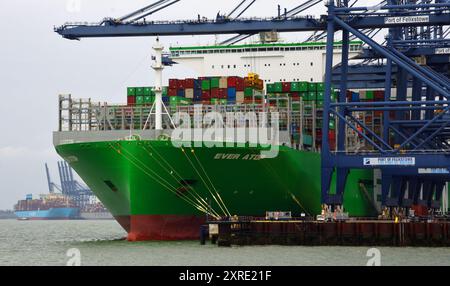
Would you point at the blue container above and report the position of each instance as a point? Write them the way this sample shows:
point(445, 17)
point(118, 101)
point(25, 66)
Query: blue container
point(165, 99)
point(181, 93)
point(355, 97)
point(198, 84)
point(231, 93)
point(197, 93)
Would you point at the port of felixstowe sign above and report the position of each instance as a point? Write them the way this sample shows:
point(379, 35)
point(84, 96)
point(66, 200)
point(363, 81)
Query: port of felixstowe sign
point(390, 161)
point(407, 20)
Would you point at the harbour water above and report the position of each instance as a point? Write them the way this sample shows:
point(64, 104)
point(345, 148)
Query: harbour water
point(102, 243)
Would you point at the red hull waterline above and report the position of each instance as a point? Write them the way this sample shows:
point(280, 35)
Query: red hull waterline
point(161, 227)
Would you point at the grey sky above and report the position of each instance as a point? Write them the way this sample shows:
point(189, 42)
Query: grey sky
point(36, 65)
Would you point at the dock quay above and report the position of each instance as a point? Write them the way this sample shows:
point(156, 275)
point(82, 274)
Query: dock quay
point(434, 233)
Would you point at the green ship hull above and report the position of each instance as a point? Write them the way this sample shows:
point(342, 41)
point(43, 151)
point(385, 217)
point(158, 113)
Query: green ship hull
point(149, 186)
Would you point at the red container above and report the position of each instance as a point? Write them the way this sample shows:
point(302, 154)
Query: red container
point(172, 92)
point(295, 95)
point(286, 86)
point(232, 81)
point(206, 95)
point(131, 100)
point(331, 135)
point(420, 210)
point(214, 93)
point(189, 83)
point(240, 86)
point(223, 93)
point(173, 83)
point(378, 95)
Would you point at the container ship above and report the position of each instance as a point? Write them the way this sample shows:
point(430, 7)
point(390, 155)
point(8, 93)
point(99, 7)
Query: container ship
point(159, 191)
point(47, 207)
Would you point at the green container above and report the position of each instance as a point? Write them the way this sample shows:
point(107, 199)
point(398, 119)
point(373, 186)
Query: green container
point(270, 88)
point(303, 95)
point(320, 96)
point(303, 86)
point(215, 82)
point(320, 86)
point(149, 91)
point(131, 91)
point(278, 86)
point(295, 86)
point(176, 101)
point(310, 96)
point(334, 95)
point(223, 101)
point(312, 86)
point(299, 86)
point(332, 124)
point(149, 99)
point(319, 104)
point(139, 100)
point(369, 95)
point(139, 91)
point(248, 92)
point(296, 106)
point(215, 101)
point(165, 91)
point(206, 84)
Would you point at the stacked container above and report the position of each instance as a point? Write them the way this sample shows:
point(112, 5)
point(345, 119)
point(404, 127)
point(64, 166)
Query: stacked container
point(212, 90)
point(139, 96)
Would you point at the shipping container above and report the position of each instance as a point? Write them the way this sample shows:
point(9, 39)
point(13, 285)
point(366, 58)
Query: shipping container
point(278, 87)
point(320, 86)
point(165, 91)
point(139, 100)
point(240, 97)
point(131, 91)
point(206, 84)
point(131, 100)
point(148, 91)
point(189, 93)
point(231, 93)
point(214, 92)
point(223, 82)
point(149, 99)
point(189, 83)
point(223, 93)
point(301, 86)
point(312, 86)
point(240, 86)
point(215, 82)
point(139, 91)
point(180, 93)
point(173, 83)
point(248, 92)
point(232, 81)
point(320, 96)
point(206, 95)
point(286, 87)
point(172, 92)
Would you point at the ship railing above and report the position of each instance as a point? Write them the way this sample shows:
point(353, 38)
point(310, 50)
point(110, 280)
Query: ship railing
point(301, 119)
